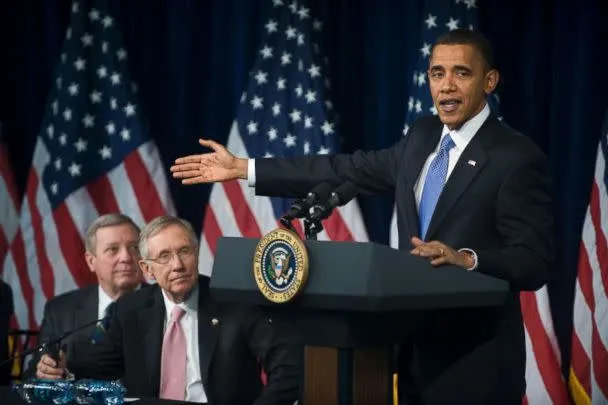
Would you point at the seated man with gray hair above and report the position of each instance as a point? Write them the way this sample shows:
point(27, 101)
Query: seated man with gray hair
point(111, 244)
point(173, 341)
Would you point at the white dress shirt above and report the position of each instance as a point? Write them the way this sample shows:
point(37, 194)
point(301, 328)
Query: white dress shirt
point(195, 392)
point(461, 138)
point(103, 302)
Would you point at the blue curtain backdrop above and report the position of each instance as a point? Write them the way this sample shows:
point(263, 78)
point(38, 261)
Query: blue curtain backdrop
point(191, 59)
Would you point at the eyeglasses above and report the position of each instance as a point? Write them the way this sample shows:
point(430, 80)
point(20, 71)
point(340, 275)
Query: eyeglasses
point(166, 257)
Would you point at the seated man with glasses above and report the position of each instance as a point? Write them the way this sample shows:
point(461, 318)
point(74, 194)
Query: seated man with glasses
point(173, 341)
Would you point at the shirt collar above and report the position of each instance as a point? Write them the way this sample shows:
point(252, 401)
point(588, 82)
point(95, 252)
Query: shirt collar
point(190, 305)
point(104, 301)
point(467, 131)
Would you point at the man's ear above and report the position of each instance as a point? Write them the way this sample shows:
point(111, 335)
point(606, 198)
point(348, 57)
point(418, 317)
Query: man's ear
point(90, 259)
point(491, 81)
point(146, 269)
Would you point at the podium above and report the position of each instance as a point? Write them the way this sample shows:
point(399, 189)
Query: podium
point(359, 301)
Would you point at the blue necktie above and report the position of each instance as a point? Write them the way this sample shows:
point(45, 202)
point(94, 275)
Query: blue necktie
point(102, 326)
point(433, 184)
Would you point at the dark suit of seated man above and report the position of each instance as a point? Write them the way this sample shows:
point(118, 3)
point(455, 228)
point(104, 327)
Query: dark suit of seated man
point(112, 253)
point(173, 341)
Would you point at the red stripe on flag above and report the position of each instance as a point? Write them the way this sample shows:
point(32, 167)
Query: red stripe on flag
point(242, 213)
point(585, 278)
point(7, 174)
point(46, 270)
point(72, 246)
point(546, 359)
point(598, 350)
point(601, 246)
point(600, 361)
point(211, 230)
point(18, 252)
point(145, 190)
point(102, 196)
point(297, 226)
point(336, 227)
point(580, 364)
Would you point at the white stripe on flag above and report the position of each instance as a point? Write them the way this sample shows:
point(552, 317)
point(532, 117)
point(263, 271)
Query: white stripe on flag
point(125, 194)
point(205, 258)
point(583, 319)
point(8, 212)
point(536, 392)
point(601, 301)
point(33, 267)
point(63, 279)
point(351, 215)
point(261, 207)
point(544, 312)
point(224, 214)
point(81, 209)
point(151, 158)
point(600, 169)
point(10, 276)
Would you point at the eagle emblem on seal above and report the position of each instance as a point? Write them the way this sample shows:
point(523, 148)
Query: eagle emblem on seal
point(279, 269)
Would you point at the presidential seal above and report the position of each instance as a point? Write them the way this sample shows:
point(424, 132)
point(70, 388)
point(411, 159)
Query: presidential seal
point(280, 265)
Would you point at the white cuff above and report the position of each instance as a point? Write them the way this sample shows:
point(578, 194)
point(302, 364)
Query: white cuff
point(475, 260)
point(251, 172)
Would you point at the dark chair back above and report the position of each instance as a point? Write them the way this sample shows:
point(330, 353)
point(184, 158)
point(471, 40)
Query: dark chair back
point(19, 341)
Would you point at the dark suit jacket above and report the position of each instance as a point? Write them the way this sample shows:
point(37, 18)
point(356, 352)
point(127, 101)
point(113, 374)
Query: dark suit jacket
point(228, 351)
point(6, 310)
point(64, 313)
point(497, 202)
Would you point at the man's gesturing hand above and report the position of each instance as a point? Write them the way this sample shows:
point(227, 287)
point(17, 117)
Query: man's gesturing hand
point(219, 165)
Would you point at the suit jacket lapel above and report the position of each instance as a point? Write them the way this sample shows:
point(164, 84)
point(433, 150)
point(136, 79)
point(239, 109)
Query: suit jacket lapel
point(423, 143)
point(471, 162)
point(86, 313)
point(151, 320)
point(209, 324)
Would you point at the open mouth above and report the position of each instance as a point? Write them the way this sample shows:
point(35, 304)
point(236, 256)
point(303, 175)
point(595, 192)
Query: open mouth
point(449, 105)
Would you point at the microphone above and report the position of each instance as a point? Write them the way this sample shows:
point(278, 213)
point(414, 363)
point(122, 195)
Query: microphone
point(339, 197)
point(51, 347)
point(300, 207)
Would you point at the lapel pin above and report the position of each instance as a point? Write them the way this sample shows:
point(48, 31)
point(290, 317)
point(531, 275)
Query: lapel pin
point(472, 162)
point(215, 321)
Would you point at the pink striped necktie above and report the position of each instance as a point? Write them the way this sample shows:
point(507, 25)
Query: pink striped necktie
point(173, 359)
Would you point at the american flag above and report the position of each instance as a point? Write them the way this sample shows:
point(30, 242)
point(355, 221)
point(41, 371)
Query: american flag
point(284, 111)
point(545, 383)
point(92, 156)
point(9, 202)
point(589, 361)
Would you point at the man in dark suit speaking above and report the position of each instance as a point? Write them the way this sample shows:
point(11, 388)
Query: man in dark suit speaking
point(469, 191)
point(112, 254)
point(173, 341)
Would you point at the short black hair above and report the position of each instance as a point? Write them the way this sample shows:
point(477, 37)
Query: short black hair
point(469, 37)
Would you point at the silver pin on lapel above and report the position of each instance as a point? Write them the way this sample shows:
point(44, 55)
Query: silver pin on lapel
point(215, 321)
point(472, 162)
